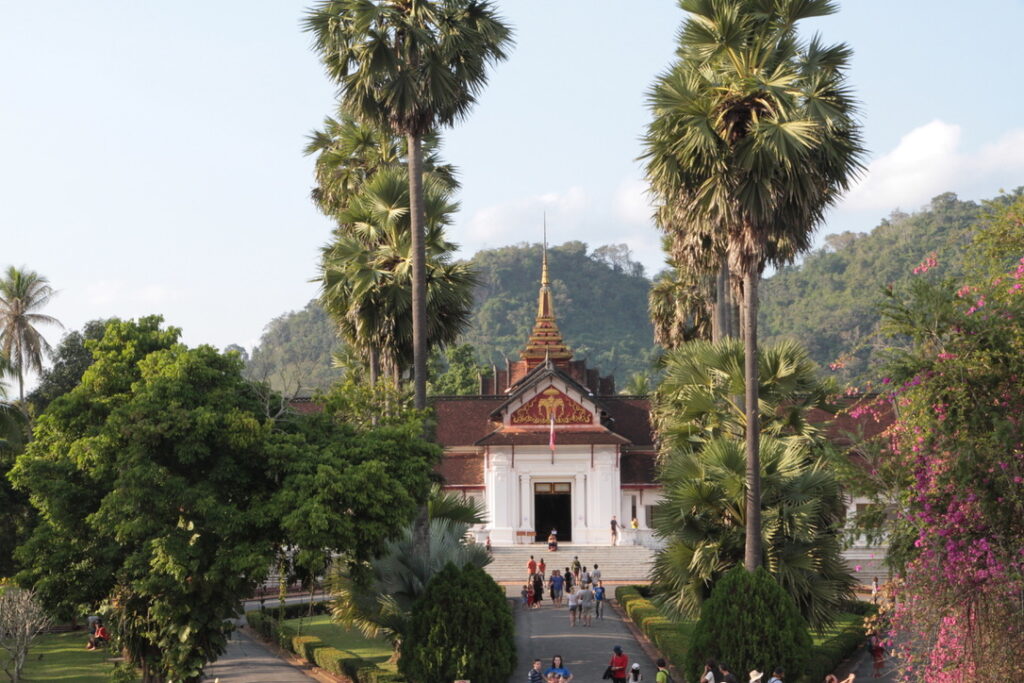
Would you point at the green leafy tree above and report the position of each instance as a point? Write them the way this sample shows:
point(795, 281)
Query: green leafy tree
point(22, 293)
point(752, 623)
point(162, 489)
point(410, 67)
point(293, 356)
point(68, 363)
point(753, 137)
point(456, 372)
point(461, 629)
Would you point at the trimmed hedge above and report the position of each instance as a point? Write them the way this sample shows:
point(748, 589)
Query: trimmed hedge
point(827, 656)
point(671, 638)
point(267, 623)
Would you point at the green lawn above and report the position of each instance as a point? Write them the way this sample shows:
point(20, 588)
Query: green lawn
point(843, 621)
point(63, 657)
point(377, 650)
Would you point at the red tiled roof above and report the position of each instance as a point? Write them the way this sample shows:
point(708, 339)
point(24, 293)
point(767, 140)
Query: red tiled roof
point(563, 436)
point(464, 421)
point(631, 418)
point(304, 406)
point(462, 469)
point(638, 468)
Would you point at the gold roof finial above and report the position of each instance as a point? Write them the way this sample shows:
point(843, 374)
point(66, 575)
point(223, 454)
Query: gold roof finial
point(545, 343)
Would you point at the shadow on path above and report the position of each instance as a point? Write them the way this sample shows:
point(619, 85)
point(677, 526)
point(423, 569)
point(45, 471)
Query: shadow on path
point(247, 661)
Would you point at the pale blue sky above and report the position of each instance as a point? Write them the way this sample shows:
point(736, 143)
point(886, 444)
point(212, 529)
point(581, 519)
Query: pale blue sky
point(150, 152)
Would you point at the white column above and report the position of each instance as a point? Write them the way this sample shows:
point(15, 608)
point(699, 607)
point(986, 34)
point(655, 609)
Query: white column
point(525, 522)
point(579, 507)
point(499, 499)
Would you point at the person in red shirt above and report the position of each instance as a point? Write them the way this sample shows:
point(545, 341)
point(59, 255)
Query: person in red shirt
point(99, 637)
point(619, 664)
point(541, 567)
point(531, 566)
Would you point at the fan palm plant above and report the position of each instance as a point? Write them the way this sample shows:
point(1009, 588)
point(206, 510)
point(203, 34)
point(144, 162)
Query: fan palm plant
point(703, 515)
point(22, 293)
point(410, 66)
point(753, 138)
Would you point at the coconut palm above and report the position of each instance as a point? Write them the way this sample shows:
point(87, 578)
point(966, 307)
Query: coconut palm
point(410, 66)
point(753, 138)
point(703, 517)
point(366, 272)
point(22, 293)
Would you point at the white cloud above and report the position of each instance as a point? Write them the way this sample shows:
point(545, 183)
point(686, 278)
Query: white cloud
point(633, 203)
point(930, 160)
point(523, 219)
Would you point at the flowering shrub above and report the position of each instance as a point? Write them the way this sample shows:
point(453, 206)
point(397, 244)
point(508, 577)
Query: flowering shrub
point(958, 613)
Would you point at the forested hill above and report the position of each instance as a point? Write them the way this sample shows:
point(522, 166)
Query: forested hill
point(600, 303)
point(830, 300)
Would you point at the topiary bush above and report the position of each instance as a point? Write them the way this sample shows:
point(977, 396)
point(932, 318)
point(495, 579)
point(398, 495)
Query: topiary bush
point(461, 628)
point(752, 623)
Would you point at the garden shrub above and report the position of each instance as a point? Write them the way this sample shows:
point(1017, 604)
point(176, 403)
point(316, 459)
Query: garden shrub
point(461, 628)
point(752, 623)
point(671, 638)
point(306, 646)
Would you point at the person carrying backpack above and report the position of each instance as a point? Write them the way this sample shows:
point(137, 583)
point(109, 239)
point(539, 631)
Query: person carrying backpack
point(662, 676)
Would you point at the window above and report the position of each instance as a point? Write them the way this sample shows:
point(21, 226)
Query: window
point(649, 516)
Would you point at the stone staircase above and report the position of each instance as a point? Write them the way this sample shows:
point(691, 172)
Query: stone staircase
point(619, 565)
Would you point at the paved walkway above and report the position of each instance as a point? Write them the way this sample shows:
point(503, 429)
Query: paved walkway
point(862, 665)
point(544, 632)
point(247, 661)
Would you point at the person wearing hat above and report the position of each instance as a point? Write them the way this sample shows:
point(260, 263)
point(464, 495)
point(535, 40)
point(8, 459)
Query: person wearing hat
point(634, 673)
point(662, 676)
point(755, 676)
point(618, 665)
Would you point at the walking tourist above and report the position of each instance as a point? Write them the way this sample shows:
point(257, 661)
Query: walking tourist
point(710, 674)
point(538, 590)
point(595, 575)
point(572, 607)
point(877, 650)
point(634, 673)
point(526, 596)
point(585, 603)
point(558, 667)
point(615, 531)
point(534, 675)
point(569, 581)
point(634, 524)
point(727, 675)
point(777, 675)
point(541, 568)
point(599, 601)
point(662, 676)
point(531, 598)
point(585, 577)
point(618, 665)
point(576, 566)
point(557, 584)
point(531, 567)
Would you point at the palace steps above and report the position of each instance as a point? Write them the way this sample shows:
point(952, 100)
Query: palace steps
point(625, 564)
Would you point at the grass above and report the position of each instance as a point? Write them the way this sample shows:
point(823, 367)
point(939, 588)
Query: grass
point(63, 657)
point(376, 650)
point(843, 621)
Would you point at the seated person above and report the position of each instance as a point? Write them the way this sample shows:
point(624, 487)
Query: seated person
point(553, 540)
point(99, 637)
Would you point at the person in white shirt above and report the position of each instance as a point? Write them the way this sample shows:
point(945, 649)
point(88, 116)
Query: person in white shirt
point(585, 600)
point(573, 603)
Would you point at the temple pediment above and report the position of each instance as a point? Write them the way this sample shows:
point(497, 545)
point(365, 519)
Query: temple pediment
point(549, 406)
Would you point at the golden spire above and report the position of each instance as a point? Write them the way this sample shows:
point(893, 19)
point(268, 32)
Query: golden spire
point(546, 340)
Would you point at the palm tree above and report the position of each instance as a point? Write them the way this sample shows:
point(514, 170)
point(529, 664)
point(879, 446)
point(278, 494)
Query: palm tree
point(366, 281)
point(348, 153)
point(410, 66)
point(753, 138)
point(22, 292)
point(703, 517)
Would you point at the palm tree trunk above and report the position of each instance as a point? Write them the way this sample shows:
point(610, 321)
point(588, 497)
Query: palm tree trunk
point(720, 323)
point(419, 275)
point(374, 365)
point(752, 555)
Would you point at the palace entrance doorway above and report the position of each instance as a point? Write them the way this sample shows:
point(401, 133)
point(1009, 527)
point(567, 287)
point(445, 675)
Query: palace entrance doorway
point(552, 508)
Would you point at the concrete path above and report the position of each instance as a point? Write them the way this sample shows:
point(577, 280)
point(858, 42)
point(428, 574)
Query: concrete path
point(544, 632)
point(247, 661)
point(862, 666)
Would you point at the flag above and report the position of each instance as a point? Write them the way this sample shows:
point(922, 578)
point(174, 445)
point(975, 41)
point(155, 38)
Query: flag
point(551, 436)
